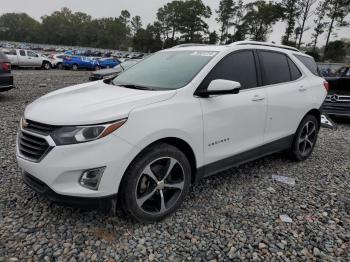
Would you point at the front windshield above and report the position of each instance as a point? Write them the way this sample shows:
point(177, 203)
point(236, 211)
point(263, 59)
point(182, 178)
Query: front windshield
point(166, 70)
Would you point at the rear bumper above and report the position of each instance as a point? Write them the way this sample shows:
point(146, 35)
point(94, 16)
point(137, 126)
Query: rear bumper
point(105, 202)
point(6, 82)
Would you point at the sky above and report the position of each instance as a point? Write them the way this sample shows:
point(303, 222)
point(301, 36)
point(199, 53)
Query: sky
point(147, 9)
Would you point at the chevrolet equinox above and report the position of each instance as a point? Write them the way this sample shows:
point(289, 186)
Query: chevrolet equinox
point(140, 140)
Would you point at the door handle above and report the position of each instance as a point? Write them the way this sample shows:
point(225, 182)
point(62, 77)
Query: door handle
point(302, 88)
point(258, 98)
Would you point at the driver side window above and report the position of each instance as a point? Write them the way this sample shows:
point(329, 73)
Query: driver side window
point(237, 66)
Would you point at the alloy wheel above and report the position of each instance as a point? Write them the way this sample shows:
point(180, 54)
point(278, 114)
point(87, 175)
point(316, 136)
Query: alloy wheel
point(307, 138)
point(160, 185)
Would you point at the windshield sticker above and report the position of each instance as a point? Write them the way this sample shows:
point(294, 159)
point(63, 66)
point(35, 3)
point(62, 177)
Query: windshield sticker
point(203, 53)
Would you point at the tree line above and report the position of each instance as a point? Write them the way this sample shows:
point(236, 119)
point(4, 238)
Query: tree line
point(184, 21)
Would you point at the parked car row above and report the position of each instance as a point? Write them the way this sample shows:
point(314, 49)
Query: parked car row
point(82, 51)
point(27, 58)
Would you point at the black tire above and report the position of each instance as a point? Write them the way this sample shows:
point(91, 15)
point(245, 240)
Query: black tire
point(305, 139)
point(97, 68)
point(132, 183)
point(75, 67)
point(59, 66)
point(46, 65)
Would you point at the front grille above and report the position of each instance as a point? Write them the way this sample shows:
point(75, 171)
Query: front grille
point(32, 147)
point(40, 128)
point(337, 98)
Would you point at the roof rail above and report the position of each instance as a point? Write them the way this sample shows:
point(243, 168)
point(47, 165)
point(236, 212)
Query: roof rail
point(263, 44)
point(189, 44)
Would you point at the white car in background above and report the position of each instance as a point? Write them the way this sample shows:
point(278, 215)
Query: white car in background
point(57, 60)
point(27, 58)
point(180, 115)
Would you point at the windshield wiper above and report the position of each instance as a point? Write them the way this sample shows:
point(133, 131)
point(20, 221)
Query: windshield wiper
point(136, 87)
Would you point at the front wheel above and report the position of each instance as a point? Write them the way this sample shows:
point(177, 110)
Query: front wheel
point(156, 183)
point(46, 65)
point(75, 67)
point(305, 138)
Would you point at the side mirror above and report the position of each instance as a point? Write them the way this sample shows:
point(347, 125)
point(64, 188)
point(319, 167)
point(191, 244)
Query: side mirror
point(221, 87)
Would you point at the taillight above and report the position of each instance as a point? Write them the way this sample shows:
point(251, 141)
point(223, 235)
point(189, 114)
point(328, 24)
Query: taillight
point(326, 85)
point(6, 67)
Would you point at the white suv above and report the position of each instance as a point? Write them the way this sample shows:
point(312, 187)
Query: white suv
point(180, 115)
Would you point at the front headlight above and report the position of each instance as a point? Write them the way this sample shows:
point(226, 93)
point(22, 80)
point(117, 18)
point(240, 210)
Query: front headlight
point(79, 134)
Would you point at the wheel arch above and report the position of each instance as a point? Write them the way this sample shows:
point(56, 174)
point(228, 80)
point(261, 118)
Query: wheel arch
point(180, 144)
point(316, 113)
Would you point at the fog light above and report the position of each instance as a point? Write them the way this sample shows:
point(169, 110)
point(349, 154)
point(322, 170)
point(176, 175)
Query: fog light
point(91, 178)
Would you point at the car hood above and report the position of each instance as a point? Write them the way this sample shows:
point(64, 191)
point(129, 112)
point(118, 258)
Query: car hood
point(91, 103)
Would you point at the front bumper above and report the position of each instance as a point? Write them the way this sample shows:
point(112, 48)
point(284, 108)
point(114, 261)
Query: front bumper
point(341, 109)
point(61, 169)
point(105, 203)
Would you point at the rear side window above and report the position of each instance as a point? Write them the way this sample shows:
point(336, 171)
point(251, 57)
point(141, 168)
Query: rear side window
point(275, 67)
point(238, 66)
point(294, 71)
point(22, 52)
point(309, 62)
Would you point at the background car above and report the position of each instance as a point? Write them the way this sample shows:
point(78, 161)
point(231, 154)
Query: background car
point(112, 72)
point(6, 78)
point(80, 62)
point(108, 62)
point(27, 58)
point(57, 60)
point(337, 102)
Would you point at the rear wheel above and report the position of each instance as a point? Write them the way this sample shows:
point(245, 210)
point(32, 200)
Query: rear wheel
point(305, 138)
point(75, 67)
point(97, 68)
point(156, 183)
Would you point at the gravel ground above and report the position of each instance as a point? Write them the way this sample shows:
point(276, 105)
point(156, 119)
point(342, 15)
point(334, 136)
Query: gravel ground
point(234, 215)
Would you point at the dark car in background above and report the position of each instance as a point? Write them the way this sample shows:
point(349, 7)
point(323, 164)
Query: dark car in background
point(112, 72)
point(337, 102)
point(6, 78)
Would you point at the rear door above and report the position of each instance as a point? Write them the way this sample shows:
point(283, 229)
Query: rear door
point(22, 58)
point(287, 92)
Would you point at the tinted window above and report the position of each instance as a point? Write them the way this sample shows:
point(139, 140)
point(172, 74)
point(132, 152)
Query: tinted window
point(309, 62)
point(275, 67)
point(294, 71)
point(22, 52)
point(238, 66)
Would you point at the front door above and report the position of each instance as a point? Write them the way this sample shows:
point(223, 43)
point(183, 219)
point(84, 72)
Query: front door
point(233, 123)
